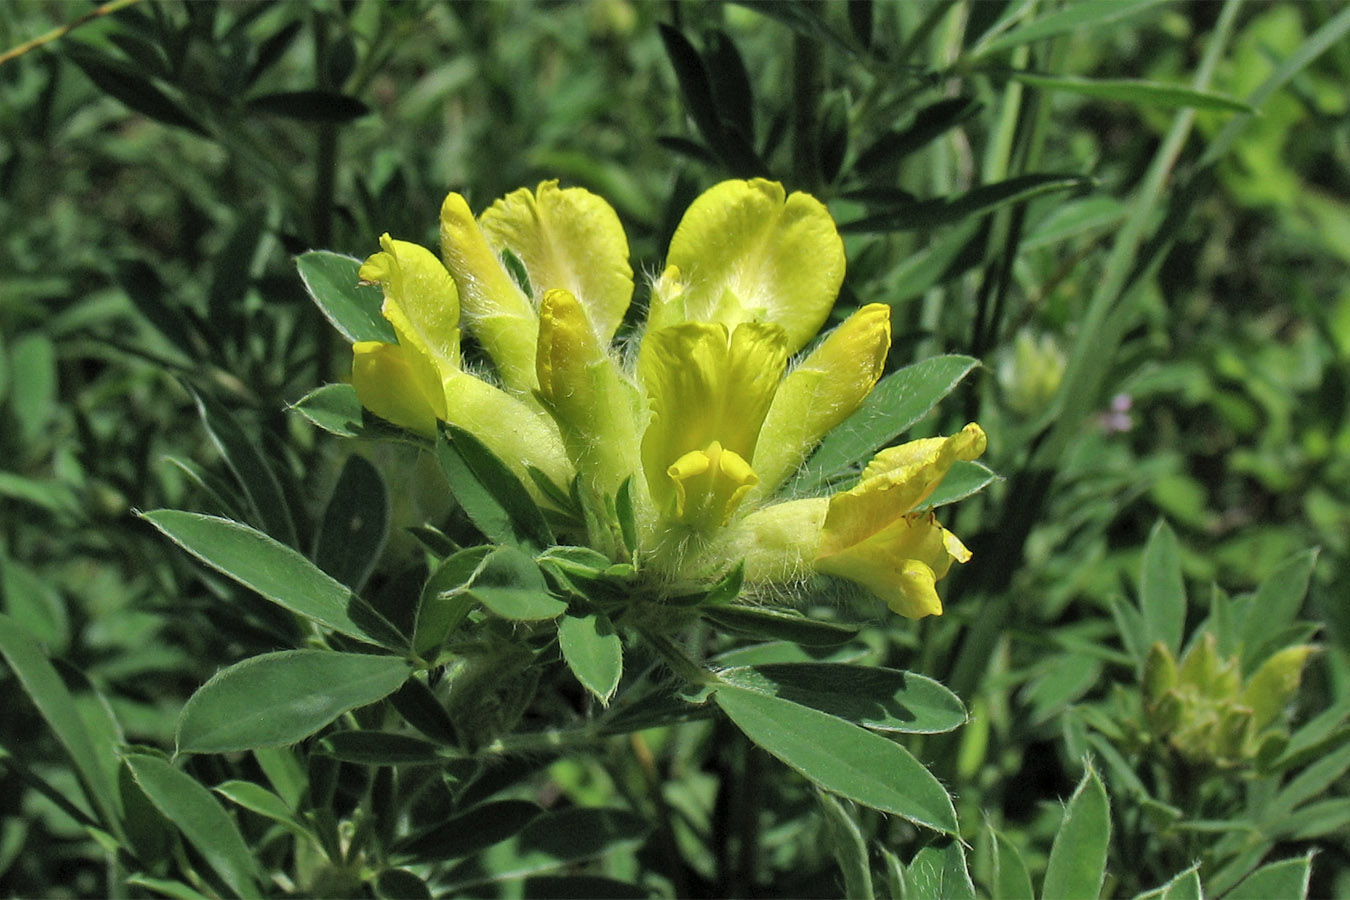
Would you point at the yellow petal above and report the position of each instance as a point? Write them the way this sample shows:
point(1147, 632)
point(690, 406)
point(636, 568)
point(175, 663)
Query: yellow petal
point(500, 316)
point(704, 386)
point(709, 485)
point(820, 393)
point(747, 253)
point(896, 481)
point(569, 239)
point(901, 564)
point(392, 389)
point(420, 300)
point(595, 408)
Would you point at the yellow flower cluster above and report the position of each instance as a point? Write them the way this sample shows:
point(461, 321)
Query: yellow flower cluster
point(704, 420)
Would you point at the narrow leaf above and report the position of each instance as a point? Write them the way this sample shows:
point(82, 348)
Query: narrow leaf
point(335, 287)
point(201, 819)
point(939, 870)
point(593, 652)
point(841, 757)
point(1011, 881)
point(1162, 591)
point(355, 524)
point(309, 106)
point(490, 493)
point(54, 701)
point(276, 572)
point(382, 748)
point(551, 841)
point(848, 846)
point(1077, 864)
point(780, 624)
point(897, 402)
point(510, 584)
point(251, 469)
point(1139, 93)
point(468, 832)
point(1287, 878)
point(877, 698)
point(977, 202)
point(281, 698)
point(1074, 17)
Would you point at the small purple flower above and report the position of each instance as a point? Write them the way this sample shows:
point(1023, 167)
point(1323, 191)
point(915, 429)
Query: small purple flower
point(1117, 420)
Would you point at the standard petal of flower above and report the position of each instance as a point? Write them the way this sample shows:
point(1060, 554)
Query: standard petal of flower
point(394, 389)
point(595, 407)
point(747, 253)
point(820, 393)
point(420, 299)
point(705, 386)
point(570, 239)
point(501, 317)
point(896, 481)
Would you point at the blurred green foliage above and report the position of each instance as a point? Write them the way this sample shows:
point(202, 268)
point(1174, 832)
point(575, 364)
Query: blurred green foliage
point(161, 166)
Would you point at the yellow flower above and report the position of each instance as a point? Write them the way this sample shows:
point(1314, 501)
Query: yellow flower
point(870, 534)
point(708, 418)
point(418, 380)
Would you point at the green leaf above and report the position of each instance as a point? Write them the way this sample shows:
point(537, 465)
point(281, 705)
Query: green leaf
point(468, 832)
point(281, 698)
point(840, 757)
point(400, 884)
point(897, 402)
point(1077, 865)
point(1010, 877)
point(848, 846)
point(258, 799)
point(201, 819)
point(1162, 590)
point(877, 698)
point(593, 652)
point(489, 492)
point(976, 202)
point(929, 123)
point(939, 870)
point(964, 480)
point(1287, 878)
point(421, 709)
point(276, 572)
point(1185, 886)
point(308, 106)
point(250, 468)
point(1076, 17)
point(121, 81)
point(780, 624)
point(335, 287)
point(355, 524)
point(445, 598)
point(1275, 605)
point(382, 748)
point(511, 585)
point(57, 707)
point(168, 887)
point(283, 770)
point(551, 841)
point(333, 407)
point(581, 887)
point(1137, 92)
